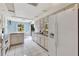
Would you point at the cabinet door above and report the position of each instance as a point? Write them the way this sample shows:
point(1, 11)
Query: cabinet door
point(42, 40)
point(13, 39)
point(20, 39)
point(46, 42)
point(33, 36)
point(52, 35)
point(38, 39)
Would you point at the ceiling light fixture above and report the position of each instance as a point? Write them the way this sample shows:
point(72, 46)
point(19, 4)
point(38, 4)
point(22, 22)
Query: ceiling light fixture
point(33, 4)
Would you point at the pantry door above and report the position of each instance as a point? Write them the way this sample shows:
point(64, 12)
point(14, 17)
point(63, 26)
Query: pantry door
point(67, 33)
point(52, 37)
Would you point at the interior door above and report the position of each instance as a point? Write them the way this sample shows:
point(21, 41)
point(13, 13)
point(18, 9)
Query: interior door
point(67, 33)
point(52, 35)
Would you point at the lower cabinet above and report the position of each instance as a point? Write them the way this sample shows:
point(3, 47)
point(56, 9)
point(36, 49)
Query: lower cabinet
point(16, 38)
point(38, 39)
point(46, 43)
point(41, 40)
point(33, 37)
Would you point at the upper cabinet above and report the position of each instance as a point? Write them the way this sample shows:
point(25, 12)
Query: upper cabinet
point(41, 25)
point(46, 24)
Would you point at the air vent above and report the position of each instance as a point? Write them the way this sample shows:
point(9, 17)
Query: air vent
point(33, 4)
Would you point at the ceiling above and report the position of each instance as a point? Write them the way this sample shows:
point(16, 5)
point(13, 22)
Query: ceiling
point(28, 10)
point(10, 7)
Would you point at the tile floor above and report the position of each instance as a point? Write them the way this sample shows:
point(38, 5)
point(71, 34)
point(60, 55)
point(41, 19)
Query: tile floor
point(29, 48)
point(17, 50)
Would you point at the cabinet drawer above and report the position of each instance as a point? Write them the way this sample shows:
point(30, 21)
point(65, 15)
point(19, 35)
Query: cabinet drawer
point(38, 41)
point(42, 41)
point(35, 39)
point(46, 43)
point(12, 40)
point(20, 40)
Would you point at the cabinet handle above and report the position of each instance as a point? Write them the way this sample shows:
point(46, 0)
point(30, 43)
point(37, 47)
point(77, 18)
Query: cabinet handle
point(52, 35)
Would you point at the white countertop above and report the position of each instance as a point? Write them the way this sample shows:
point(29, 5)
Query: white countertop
point(15, 32)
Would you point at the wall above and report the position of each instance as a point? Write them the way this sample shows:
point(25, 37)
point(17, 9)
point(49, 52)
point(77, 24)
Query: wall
point(12, 26)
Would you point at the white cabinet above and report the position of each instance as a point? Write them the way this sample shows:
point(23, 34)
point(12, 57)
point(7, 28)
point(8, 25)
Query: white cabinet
point(33, 36)
point(42, 25)
point(52, 36)
point(42, 41)
point(46, 42)
point(65, 29)
point(39, 39)
point(36, 38)
point(67, 33)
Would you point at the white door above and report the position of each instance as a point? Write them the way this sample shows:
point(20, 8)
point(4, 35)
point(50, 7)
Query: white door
point(67, 33)
point(52, 35)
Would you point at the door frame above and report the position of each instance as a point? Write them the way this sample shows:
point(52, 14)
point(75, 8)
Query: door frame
point(78, 31)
